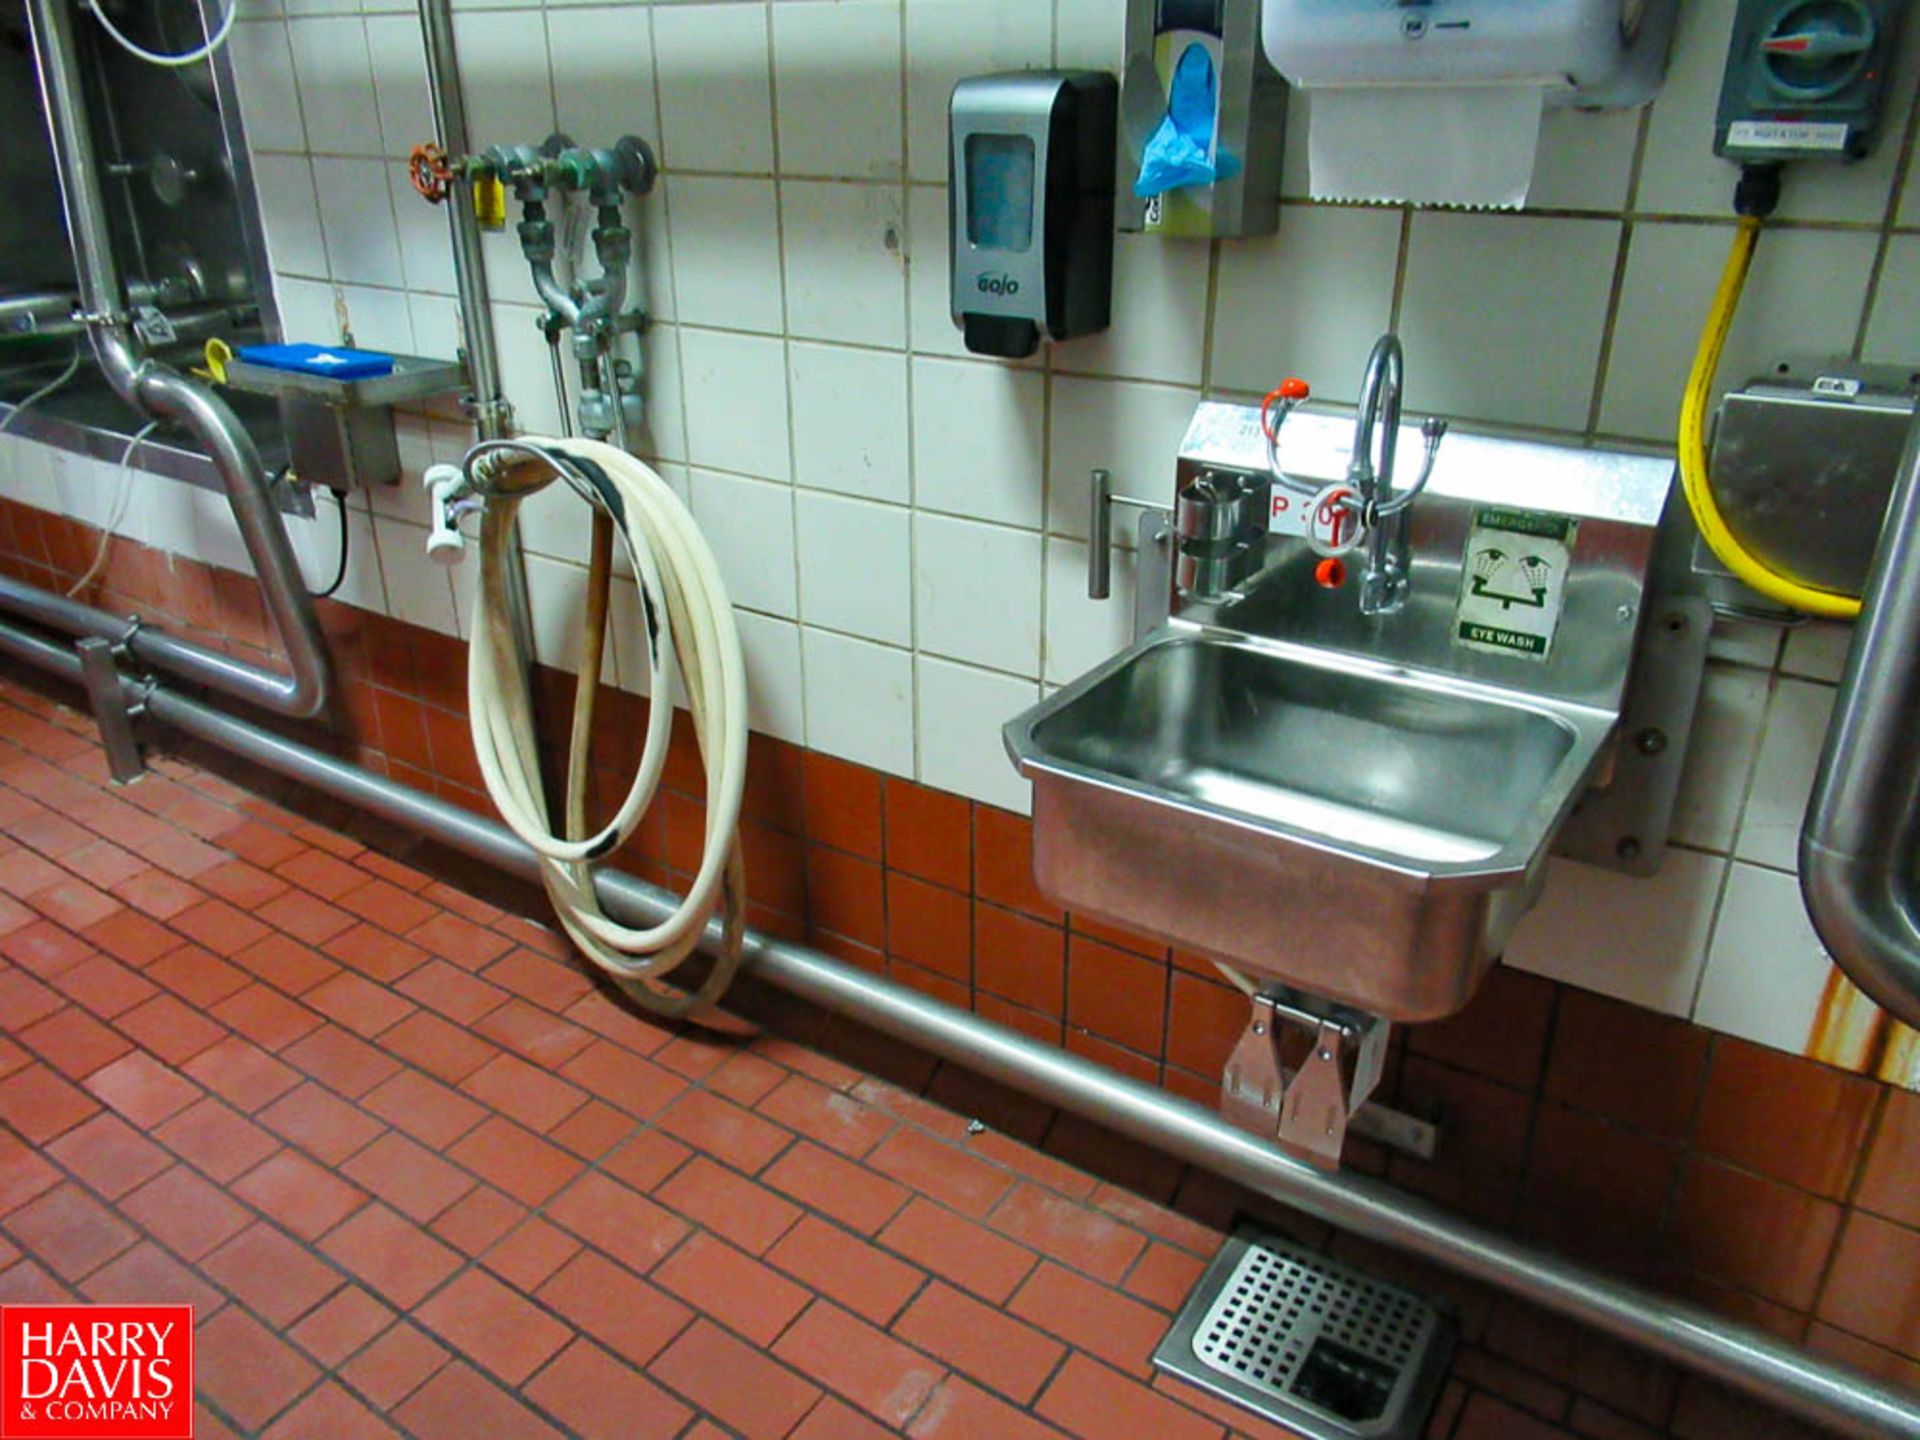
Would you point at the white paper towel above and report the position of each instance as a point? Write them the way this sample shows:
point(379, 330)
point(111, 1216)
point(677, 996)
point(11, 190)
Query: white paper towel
point(1428, 144)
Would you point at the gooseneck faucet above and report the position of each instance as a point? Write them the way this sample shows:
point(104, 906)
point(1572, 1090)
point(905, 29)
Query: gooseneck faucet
point(1384, 585)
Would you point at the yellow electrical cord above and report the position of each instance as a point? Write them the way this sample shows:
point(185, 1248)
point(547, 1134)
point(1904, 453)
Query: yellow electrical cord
point(1693, 450)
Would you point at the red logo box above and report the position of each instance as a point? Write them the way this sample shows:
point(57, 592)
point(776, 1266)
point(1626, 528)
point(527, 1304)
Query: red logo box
point(96, 1372)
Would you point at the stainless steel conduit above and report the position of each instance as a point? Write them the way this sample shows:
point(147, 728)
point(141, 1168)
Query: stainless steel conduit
point(1858, 844)
point(164, 393)
point(490, 408)
point(1743, 1358)
point(492, 414)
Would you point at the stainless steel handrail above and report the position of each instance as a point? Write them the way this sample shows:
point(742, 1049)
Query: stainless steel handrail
point(1740, 1356)
point(164, 393)
point(1858, 843)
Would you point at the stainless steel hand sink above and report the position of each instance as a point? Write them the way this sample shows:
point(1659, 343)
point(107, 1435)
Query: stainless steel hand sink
point(1358, 806)
point(1313, 817)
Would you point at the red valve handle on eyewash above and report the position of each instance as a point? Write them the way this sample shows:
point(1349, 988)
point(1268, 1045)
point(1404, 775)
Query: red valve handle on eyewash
point(1287, 394)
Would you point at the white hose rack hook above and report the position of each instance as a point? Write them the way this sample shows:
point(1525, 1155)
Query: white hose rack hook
point(449, 498)
point(690, 637)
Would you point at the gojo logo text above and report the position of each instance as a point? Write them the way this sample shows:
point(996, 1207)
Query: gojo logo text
point(96, 1372)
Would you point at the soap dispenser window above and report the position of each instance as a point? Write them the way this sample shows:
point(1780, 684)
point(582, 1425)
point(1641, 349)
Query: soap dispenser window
point(1000, 192)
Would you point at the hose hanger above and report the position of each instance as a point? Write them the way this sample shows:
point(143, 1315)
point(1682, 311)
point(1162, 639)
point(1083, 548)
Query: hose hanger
point(691, 641)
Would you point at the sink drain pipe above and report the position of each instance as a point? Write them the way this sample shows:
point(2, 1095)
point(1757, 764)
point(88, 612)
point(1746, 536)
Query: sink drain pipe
point(1743, 1358)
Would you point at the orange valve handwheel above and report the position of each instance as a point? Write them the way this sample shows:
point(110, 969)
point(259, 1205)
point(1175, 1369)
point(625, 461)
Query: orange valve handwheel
point(427, 168)
point(1288, 393)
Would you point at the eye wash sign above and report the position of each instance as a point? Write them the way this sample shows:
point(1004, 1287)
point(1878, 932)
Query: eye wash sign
point(96, 1372)
point(1515, 581)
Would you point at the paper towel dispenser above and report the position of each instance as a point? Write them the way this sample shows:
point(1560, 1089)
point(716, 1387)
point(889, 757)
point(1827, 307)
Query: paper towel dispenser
point(1587, 52)
point(1031, 207)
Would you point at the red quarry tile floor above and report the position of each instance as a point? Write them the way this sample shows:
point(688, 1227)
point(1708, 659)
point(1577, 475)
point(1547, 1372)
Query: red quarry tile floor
point(421, 1177)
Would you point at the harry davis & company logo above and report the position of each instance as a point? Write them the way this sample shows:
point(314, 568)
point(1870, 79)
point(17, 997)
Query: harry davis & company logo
point(96, 1372)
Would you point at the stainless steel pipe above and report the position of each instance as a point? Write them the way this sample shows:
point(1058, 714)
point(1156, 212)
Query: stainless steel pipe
point(491, 411)
point(492, 414)
point(166, 394)
point(1858, 843)
point(1743, 1358)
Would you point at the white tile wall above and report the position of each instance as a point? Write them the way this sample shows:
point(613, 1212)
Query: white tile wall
point(1639, 940)
point(1766, 970)
point(1783, 778)
point(846, 267)
point(291, 215)
point(1671, 273)
point(978, 441)
point(850, 421)
point(771, 649)
point(859, 699)
point(726, 264)
point(335, 77)
point(961, 712)
point(856, 566)
point(716, 111)
point(976, 592)
point(505, 73)
point(1519, 345)
point(263, 69)
point(363, 245)
point(1308, 301)
point(902, 523)
point(749, 523)
point(836, 72)
point(949, 39)
point(736, 398)
point(400, 82)
point(1131, 431)
point(603, 71)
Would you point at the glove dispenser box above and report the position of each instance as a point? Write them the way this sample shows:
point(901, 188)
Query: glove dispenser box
point(1202, 121)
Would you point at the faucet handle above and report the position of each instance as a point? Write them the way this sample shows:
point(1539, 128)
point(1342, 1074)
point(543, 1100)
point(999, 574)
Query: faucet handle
point(1433, 430)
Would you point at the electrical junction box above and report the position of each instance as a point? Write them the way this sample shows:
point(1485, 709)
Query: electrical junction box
point(1805, 79)
point(1031, 207)
point(1804, 460)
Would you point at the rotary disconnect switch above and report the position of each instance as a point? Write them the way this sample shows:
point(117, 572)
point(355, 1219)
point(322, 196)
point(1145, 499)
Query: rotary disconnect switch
point(1805, 79)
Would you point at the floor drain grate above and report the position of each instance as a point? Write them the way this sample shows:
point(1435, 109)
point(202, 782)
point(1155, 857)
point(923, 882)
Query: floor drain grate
point(1310, 1343)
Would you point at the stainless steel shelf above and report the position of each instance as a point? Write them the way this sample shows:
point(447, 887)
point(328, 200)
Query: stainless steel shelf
point(414, 378)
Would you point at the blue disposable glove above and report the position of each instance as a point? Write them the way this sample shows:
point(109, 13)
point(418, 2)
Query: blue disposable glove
point(1180, 152)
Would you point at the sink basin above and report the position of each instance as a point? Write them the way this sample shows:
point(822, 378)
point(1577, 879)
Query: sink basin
point(1367, 831)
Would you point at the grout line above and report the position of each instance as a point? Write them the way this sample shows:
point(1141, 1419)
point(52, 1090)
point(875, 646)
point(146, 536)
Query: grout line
point(1603, 361)
point(1896, 196)
point(1402, 257)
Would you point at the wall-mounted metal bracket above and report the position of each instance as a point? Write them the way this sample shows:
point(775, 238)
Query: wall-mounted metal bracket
point(1153, 552)
point(1623, 824)
point(110, 710)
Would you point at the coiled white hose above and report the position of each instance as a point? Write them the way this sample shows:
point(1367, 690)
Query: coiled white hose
point(690, 636)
